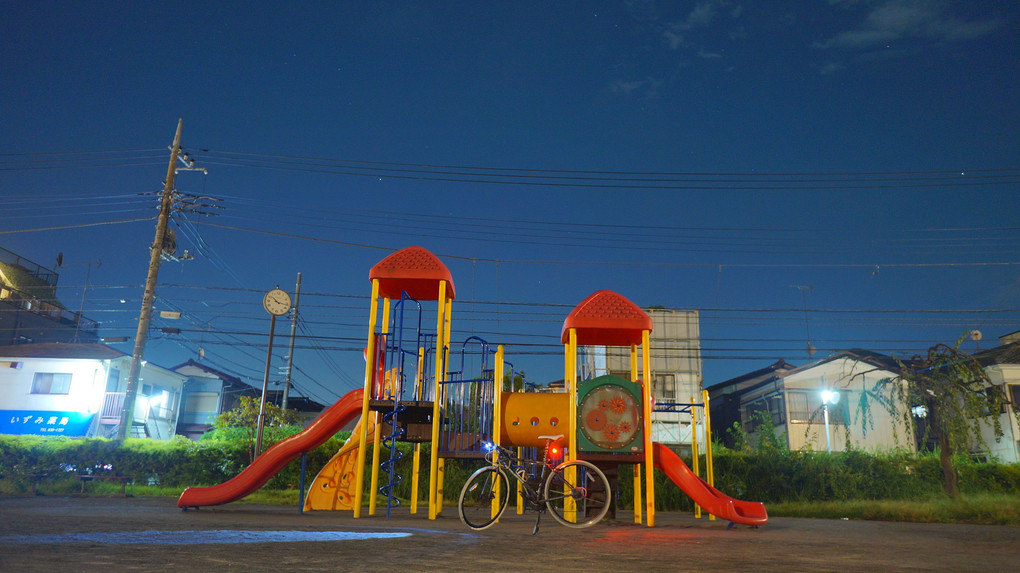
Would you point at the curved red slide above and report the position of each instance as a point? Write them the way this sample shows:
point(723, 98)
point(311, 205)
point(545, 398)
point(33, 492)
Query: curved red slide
point(710, 499)
point(279, 455)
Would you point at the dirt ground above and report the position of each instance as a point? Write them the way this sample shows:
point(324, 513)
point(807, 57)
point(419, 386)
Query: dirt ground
point(81, 533)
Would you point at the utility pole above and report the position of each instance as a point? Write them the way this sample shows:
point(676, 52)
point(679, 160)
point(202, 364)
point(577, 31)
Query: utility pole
point(293, 331)
point(127, 412)
point(807, 327)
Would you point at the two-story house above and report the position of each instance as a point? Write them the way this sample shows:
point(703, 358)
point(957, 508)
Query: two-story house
point(71, 389)
point(817, 406)
point(1002, 364)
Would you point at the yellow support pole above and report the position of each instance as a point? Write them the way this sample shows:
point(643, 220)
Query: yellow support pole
point(637, 467)
point(419, 390)
point(419, 380)
point(497, 412)
point(520, 489)
point(649, 454)
point(447, 322)
point(388, 392)
point(570, 381)
point(415, 478)
point(637, 493)
point(437, 383)
point(359, 472)
point(694, 450)
point(497, 391)
point(376, 445)
point(633, 363)
point(709, 466)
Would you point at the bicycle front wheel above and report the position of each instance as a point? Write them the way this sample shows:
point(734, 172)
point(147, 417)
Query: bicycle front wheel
point(483, 498)
point(580, 500)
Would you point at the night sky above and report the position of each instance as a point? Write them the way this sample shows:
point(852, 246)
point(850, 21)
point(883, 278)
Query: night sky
point(841, 172)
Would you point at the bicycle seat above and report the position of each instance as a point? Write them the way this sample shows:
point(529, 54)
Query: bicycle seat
point(552, 438)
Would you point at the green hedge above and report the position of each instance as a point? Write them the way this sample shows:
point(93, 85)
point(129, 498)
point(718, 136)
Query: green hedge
point(787, 476)
point(179, 462)
point(766, 475)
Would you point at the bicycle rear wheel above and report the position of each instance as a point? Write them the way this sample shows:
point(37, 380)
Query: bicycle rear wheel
point(588, 492)
point(484, 488)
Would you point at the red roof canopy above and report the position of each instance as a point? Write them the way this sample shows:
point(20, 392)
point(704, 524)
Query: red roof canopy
point(606, 318)
point(415, 270)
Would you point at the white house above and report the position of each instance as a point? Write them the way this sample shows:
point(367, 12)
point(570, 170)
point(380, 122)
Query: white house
point(1002, 364)
point(207, 393)
point(61, 389)
point(794, 398)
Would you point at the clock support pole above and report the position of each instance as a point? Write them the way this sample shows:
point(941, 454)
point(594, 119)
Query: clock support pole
point(265, 387)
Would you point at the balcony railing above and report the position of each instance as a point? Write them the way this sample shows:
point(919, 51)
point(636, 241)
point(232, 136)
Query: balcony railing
point(34, 269)
point(27, 302)
point(113, 403)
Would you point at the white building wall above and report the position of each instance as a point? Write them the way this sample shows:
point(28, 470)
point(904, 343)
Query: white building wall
point(1007, 449)
point(675, 361)
point(88, 382)
point(850, 379)
point(86, 392)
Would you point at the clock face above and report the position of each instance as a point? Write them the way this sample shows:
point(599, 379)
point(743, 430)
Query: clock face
point(276, 302)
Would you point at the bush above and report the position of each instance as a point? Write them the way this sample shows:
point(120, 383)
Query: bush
point(766, 474)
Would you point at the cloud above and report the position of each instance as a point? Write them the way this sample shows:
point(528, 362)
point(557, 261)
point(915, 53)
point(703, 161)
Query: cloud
point(647, 88)
point(700, 16)
point(894, 20)
point(829, 68)
point(705, 54)
point(672, 38)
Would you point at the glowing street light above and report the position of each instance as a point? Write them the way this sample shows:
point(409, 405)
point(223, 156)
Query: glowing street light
point(828, 397)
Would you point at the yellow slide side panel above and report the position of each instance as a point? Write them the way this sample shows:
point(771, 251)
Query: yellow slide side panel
point(333, 489)
point(526, 416)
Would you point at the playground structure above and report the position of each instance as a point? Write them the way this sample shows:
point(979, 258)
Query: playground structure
point(421, 389)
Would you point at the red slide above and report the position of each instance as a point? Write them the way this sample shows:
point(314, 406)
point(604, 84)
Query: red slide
point(279, 455)
point(712, 500)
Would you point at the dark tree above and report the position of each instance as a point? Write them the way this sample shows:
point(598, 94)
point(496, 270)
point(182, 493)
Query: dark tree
point(952, 392)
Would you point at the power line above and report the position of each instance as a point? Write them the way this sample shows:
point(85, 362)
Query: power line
point(79, 225)
point(619, 179)
point(875, 265)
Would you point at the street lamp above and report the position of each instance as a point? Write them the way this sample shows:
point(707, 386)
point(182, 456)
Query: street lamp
point(828, 397)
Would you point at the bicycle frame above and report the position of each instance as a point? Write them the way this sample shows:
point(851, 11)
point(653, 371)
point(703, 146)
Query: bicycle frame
point(517, 467)
point(575, 493)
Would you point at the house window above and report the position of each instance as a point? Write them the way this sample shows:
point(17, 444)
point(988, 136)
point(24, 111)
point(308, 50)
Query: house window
point(664, 387)
point(770, 406)
point(752, 419)
point(806, 407)
point(51, 383)
point(1014, 395)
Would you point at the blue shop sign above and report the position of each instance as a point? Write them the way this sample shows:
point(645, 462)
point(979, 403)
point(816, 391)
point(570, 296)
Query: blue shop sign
point(44, 423)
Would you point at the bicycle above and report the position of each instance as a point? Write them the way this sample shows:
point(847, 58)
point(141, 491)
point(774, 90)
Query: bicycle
point(580, 501)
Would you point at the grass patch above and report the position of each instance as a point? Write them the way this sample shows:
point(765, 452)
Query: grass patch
point(263, 496)
point(993, 509)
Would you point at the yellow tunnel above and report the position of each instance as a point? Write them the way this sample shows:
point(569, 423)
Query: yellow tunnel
point(526, 416)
